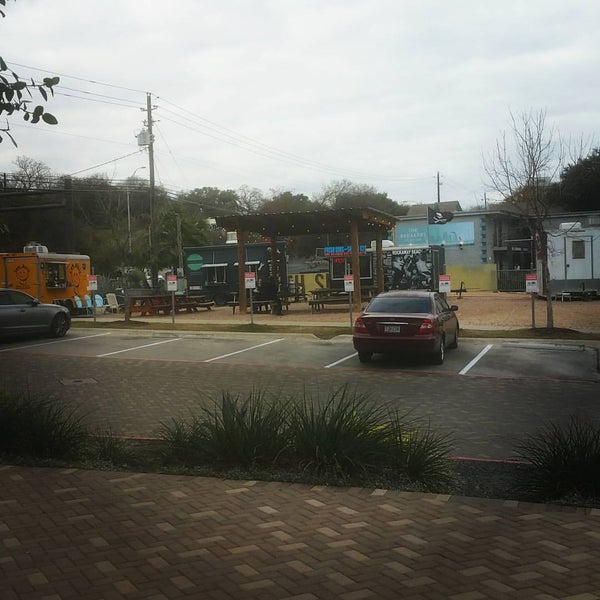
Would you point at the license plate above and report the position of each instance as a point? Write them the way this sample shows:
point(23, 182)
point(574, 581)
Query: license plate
point(392, 328)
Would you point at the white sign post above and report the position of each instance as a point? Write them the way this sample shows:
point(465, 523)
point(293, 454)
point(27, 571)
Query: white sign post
point(172, 287)
point(531, 287)
point(92, 287)
point(250, 284)
point(445, 284)
point(349, 287)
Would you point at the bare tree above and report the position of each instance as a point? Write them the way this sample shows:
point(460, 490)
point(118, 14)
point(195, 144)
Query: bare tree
point(31, 174)
point(522, 165)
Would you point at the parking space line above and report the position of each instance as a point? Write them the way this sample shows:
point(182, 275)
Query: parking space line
point(337, 362)
point(138, 347)
point(61, 341)
point(244, 350)
point(476, 359)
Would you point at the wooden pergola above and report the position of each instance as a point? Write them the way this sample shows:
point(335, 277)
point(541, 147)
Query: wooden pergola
point(286, 224)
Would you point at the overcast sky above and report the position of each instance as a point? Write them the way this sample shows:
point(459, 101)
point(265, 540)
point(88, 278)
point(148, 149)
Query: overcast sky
point(294, 94)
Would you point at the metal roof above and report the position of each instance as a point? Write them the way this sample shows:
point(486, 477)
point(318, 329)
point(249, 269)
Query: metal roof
point(309, 222)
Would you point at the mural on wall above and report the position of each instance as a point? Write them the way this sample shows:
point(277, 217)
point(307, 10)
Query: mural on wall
point(449, 234)
point(407, 269)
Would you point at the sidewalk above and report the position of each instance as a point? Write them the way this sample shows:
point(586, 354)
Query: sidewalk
point(69, 534)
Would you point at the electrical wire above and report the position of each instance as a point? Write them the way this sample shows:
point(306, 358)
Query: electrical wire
point(107, 162)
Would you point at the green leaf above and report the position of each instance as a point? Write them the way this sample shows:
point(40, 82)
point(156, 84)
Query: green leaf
point(26, 116)
point(50, 119)
point(38, 111)
point(50, 81)
point(19, 85)
point(43, 93)
point(3, 66)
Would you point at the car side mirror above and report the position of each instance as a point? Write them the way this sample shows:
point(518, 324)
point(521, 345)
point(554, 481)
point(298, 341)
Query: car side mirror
point(454, 307)
point(35, 302)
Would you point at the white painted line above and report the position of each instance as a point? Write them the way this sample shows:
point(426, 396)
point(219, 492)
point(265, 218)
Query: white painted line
point(337, 362)
point(476, 359)
point(62, 340)
point(138, 347)
point(245, 350)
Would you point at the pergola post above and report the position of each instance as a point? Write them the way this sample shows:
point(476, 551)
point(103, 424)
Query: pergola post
point(274, 259)
point(357, 302)
point(379, 262)
point(242, 236)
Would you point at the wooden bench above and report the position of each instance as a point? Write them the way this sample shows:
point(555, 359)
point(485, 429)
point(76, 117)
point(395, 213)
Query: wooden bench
point(259, 305)
point(317, 304)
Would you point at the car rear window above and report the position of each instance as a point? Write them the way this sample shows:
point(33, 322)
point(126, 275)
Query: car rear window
point(400, 305)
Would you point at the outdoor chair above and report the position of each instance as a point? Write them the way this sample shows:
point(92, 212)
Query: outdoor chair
point(113, 303)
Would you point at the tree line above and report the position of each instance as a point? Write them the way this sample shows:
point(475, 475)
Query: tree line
point(111, 221)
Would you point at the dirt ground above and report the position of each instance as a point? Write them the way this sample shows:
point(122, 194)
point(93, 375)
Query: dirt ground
point(483, 310)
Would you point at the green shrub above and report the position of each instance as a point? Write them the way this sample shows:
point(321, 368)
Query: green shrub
point(234, 431)
point(40, 428)
point(344, 436)
point(565, 461)
point(417, 452)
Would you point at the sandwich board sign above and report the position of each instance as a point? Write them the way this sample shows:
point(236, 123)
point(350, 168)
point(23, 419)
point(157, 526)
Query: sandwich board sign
point(444, 283)
point(531, 283)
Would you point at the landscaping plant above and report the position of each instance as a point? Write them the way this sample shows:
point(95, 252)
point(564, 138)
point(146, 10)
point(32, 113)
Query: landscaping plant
point(233, 432)
point(40, 428)
point(342, 437)
point(565, 461)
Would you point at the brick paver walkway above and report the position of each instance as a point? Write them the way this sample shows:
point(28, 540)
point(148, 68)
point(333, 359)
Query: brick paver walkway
point(68, 534)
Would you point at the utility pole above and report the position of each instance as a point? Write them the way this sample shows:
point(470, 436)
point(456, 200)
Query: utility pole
point(438, 189)
point(150, 143)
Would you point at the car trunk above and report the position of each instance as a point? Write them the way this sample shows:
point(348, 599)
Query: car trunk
point(393, 325)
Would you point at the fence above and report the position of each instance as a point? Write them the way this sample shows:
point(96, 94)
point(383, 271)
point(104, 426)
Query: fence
point(512, 280)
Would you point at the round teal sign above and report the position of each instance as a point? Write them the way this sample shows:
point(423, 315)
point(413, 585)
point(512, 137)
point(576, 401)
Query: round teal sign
point(194, 262)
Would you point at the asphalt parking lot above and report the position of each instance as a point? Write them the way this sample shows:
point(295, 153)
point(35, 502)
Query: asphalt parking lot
point(503, 358)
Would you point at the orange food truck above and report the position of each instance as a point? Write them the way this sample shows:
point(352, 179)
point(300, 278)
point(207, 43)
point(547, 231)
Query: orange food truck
point(50, 277)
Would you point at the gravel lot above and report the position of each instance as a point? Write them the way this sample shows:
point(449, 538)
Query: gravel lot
point(480, 310)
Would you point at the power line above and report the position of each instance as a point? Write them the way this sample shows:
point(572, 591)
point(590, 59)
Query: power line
point(107, 162)
point(226, 135)
point(117, 87)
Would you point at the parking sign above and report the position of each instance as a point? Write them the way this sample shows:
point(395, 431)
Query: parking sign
point(531, 283)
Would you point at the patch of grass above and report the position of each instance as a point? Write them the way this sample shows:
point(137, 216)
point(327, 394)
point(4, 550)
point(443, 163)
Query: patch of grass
point(565, 461)
point(40, 428)
point(557, 333)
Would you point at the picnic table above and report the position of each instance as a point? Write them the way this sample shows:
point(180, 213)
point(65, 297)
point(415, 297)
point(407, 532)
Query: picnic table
point(163, 303)
point(271, 306)
point(323, 296)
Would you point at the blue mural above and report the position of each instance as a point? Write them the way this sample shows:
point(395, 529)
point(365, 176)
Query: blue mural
point(450, 234)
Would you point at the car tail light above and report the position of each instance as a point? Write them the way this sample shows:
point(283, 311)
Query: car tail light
point(359, 325)
point(425, 327)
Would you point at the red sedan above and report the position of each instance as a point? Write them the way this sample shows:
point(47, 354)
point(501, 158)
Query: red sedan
point(406, 321)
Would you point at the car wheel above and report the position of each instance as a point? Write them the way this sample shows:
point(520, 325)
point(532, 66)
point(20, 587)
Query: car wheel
point(365, 357)
point(440, 353)
point(454, 344)
point(59, 326)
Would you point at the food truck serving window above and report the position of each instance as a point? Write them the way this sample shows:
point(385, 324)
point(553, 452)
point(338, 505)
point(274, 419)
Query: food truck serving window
point(215, 273)
point(56, 274)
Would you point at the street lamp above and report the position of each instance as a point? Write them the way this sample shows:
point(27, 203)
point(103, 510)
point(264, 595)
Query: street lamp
point(129, 210)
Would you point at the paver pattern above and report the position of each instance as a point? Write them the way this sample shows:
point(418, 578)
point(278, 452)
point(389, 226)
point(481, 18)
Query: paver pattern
point(69, 534)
